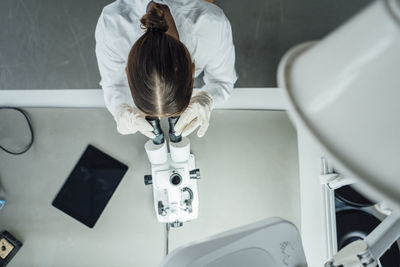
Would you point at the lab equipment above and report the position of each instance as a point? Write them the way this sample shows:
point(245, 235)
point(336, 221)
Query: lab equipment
point(130, 120)
point(332, 88)
point(270, 242)
point(173, 176)
point(90, 186)
point(342, 95)
point(197, 114)
point(172, 132)
point(9, 246)
point(355, 224)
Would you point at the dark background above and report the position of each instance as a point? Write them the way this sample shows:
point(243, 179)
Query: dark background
point(49, 44)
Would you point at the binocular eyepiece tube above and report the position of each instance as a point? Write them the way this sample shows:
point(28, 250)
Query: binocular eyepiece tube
point(159, 138)
point(159, 134)
point(174, 138)
point(156, 148)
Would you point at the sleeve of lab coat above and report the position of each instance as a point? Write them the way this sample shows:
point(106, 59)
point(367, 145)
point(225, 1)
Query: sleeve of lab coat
point(219, 72)
point(112, 68)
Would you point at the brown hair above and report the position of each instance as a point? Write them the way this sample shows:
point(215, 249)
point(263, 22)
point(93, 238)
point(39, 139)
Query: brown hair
point(159, 69)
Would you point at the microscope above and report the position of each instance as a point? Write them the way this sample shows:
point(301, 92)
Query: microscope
point(173, 175)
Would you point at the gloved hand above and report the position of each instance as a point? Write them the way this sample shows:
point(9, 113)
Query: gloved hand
point(130, 120)
point(197, 114)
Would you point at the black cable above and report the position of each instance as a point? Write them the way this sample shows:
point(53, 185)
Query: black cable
point(30, 129)
point(167, 239)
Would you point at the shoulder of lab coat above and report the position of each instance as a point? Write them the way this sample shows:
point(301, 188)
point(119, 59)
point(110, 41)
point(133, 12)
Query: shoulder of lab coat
point(109, 52)
point(219, 71)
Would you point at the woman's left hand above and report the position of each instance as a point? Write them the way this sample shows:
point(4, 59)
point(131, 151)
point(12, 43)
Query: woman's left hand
point(197, 114)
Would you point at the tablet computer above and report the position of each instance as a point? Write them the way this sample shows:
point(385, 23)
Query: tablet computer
point(90, 186)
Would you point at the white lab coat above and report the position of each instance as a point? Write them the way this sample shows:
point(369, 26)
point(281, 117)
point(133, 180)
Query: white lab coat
point(202, 27)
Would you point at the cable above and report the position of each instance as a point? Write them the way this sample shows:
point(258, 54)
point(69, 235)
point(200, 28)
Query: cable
point(167, 239)
point(30, 129)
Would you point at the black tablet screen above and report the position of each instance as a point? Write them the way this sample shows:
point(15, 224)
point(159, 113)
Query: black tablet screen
point(90, 186)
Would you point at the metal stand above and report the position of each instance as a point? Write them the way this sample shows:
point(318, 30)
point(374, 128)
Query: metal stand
point(361, 253)
point(383, 236)
point(328, 175)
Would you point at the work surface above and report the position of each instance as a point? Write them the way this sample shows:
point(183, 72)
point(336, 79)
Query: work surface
point(249, 169)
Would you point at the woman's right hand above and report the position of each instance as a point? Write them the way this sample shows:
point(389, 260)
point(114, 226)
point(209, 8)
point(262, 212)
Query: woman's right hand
point(130, 120)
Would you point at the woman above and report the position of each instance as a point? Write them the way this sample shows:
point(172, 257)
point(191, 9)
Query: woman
point(148, 54)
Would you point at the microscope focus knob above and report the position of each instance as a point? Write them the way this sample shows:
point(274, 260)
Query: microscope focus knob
point(148, 180)
point(194, 174)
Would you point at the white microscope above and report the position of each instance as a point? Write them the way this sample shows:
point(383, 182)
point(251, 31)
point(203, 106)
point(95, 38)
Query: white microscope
point(173, 176)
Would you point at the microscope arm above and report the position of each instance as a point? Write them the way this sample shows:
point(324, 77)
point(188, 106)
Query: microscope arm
point(365, 253)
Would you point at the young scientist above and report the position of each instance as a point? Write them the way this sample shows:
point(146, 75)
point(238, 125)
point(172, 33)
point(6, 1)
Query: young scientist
point(148, 54)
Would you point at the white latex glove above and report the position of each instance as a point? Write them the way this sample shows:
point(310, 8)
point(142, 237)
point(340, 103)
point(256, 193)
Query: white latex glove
point(197, 114)
point(130, 120)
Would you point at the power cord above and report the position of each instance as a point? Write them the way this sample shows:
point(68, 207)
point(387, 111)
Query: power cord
point(167, 239)
point(30, 129)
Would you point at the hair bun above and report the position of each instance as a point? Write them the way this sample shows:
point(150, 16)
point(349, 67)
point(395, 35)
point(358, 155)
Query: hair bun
point(154, 19)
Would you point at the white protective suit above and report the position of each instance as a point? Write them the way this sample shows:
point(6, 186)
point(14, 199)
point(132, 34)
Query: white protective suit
point(202, 27)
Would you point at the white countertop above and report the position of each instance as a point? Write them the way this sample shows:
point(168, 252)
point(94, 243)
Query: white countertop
point(249, 166)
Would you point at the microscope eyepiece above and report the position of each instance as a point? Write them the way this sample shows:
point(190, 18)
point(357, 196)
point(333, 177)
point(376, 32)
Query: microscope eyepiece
point(174, 138)
point(155, 122)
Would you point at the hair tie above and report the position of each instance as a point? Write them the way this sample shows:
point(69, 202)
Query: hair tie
point(154, 29)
